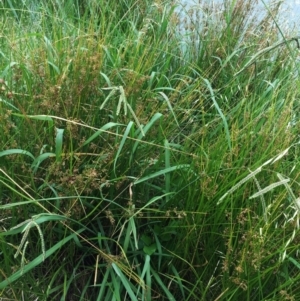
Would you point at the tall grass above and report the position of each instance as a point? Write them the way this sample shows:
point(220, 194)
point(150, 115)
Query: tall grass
point(143, 158)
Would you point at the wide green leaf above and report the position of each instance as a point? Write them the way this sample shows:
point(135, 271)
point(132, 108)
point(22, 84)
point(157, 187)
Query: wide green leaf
point(16, 152)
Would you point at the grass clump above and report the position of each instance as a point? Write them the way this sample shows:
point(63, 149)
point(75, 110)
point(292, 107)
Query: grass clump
point(142, 158)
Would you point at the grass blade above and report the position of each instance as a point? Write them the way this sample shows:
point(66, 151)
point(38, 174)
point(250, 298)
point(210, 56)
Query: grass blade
point(165, 97)
point(125, 136)
point(16, 152)
point(35, 262)
point(146, 128)
point(167, 166)
point(58, 144)
point(220, 112)
point(161, 284)
point(37, 161)
point(161, 172)
point(125, 282)
point(101, 130)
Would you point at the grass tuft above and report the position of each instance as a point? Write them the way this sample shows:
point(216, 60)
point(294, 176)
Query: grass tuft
point(148, 151)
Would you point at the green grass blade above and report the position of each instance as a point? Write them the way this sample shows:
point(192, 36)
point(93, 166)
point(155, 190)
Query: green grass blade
point(103, 284)
point(134, 232)
point(293, 261)
point(13, 10)
point(116, 287)
point(148, 282)
point(220, 112)
point(179, 281)
point(146, 272)
point(165, 97)
point(54, 67)
point(37, 161)
point(125, 136)
point(135, 118)
point(59, 144)
point(35, 262)
point(106, 79)
point(9, 104)
point(159, 250)
point(125, 282)
point(153, 200)
point(161, 284)
point(16, 152)
point(36, 117)
point(146, 128)
point(101, 130)
point(167, 166)
point(161, 172)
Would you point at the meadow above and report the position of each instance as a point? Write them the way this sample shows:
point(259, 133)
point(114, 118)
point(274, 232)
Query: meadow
point(143, 162)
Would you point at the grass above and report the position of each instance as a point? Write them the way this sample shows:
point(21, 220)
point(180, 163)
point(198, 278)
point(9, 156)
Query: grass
point(143, 157)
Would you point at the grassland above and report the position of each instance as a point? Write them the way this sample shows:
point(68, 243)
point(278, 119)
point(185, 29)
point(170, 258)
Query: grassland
point(143, 162)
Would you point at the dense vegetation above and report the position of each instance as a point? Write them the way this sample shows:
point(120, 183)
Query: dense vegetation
point(146, 159)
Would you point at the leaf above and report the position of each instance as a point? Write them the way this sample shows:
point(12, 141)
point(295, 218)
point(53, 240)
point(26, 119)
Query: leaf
point(135, 118)
point(37, 161)
point(134, 232)
point(54, 67)
point(9, 104)
point(38, 260)
point(161, 284)
point(179, 281)
point(149, 250)
point(146, 239)
point(38, 117)
point(101, 130)
point(146, 271)
point(58, 144)
point(153, 200)
point(130, 124)
point(16, 152)
point(147, 127)
point(161, 172)
point(104, 282)
point(106, 79)
point(160, 251)
point(294, 261)
point(167, 165)
point(125, 282)
point(220, 112)
point(165, 97)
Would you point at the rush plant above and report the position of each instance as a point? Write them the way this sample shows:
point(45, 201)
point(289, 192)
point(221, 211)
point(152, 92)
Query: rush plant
point(148, 151)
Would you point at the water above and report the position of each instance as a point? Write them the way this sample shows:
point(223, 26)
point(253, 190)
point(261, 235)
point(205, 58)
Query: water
point(290, 11)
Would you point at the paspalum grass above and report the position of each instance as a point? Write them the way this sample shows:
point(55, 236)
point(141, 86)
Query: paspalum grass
point(145, 156)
